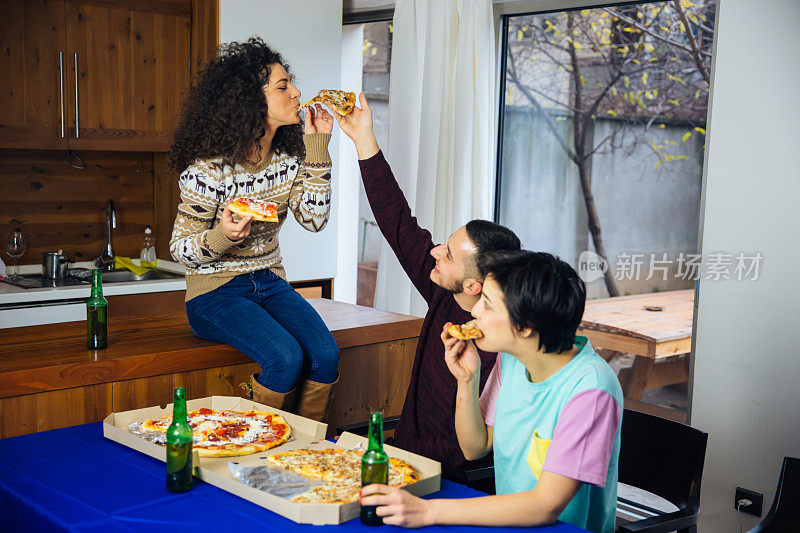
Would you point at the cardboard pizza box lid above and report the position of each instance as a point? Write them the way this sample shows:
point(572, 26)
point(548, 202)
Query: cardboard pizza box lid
point(306, 434)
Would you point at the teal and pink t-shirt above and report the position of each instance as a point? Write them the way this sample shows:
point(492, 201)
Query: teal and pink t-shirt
point(568, 424)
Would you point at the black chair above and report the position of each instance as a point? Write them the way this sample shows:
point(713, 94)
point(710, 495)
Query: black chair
point(664, 458)
point(784, 515)
point(478, 475)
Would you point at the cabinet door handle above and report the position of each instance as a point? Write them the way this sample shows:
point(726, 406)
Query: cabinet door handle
point(77, 114)
point(61, 88)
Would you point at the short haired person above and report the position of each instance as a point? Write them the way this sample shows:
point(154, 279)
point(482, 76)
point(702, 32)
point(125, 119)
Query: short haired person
point(550, 413)
point(447, 277)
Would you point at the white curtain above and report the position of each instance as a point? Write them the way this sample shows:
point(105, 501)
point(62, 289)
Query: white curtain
point(441, 108)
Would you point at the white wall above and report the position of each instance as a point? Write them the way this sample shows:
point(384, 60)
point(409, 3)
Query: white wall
point(745, 391)
point(345, 286)
point(309, 35)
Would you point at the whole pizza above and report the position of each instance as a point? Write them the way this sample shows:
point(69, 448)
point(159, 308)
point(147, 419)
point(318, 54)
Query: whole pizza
point(340, 469)
point(224, 433)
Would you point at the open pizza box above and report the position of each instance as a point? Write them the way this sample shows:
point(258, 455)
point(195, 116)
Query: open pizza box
point(307, 434)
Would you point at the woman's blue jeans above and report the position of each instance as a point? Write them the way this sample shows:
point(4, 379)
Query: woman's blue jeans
point(262, 316)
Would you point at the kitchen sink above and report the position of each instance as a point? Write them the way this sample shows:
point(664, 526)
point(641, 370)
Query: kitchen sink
point(82, 276)
point(118, 276)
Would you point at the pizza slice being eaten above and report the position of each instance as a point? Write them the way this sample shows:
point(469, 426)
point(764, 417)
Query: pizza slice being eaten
point(258, 210)
point(465, 331)
point(340, 101)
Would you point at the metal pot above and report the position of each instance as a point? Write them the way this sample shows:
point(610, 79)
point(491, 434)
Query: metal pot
point(54, 265)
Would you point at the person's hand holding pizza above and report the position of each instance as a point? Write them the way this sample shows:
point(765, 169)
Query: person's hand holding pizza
point(318, 120)
point(461, 357)
point(235, 231)
point(358, 126)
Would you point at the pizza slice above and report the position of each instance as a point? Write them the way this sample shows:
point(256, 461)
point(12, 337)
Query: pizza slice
point(340, 469)
point(466, 331)
point(340, 101)
point(263, 211)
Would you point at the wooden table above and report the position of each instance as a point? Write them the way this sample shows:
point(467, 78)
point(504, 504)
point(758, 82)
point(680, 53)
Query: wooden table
point(660, 340)
point(48, 379)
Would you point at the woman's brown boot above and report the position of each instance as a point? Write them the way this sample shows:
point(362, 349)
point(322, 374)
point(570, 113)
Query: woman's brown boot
point(259, 393)
point(315, 399)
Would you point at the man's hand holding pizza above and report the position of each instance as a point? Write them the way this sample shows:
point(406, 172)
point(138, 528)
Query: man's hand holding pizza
point(358, 126)
point(235, 231)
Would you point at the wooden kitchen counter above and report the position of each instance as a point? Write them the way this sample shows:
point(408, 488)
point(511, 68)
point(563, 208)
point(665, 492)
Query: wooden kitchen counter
point(48, 378)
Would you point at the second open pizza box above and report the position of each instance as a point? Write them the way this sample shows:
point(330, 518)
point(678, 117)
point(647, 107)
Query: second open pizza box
point(306, 434)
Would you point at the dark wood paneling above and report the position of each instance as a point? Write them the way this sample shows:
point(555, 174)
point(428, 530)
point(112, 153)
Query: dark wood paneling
point(12, 62)
point(166, 198)
point(180, 8)
point(133, 67)
point(160, 69)
point(148, 303)
point(205, 32)
point(134, 62)
point(374, 377)
point(33, 34)
point(54, 409)
point(41, 358)
point(158, 390)
point(101, 36)
point(58, 206)
point(118, 139)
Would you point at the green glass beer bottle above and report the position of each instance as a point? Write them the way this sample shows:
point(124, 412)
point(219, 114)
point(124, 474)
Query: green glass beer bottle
point(179, 446)
point(374, 467)
point(96, 323)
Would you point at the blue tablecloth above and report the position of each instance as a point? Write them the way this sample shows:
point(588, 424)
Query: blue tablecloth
point(76, 480)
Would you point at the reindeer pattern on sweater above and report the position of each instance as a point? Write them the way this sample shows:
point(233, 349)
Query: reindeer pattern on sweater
point(299, 187)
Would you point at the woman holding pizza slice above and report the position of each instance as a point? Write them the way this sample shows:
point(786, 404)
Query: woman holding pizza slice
point(240, 136)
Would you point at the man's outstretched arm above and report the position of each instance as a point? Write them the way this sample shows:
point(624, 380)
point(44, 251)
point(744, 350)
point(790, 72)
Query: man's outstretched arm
point(410, 243)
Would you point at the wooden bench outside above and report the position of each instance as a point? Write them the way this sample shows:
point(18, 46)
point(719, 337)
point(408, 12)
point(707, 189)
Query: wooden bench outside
point(656, 328)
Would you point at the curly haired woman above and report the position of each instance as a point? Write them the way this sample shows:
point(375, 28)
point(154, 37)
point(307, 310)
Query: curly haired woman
point(240, 135)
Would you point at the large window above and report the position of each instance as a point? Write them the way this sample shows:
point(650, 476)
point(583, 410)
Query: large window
point(602, 137)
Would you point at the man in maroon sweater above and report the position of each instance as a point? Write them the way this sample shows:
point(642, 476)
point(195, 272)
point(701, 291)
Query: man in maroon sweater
point(447, 278)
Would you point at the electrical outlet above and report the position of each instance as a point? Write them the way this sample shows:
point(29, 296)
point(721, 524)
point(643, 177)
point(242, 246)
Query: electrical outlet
point(757, 499)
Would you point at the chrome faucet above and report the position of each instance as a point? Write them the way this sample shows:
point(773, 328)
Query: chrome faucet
point(106, 260)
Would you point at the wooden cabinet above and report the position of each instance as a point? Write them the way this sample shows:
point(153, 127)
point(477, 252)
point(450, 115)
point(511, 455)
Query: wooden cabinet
point(45, 368)
point(32, 90)
point(92, 74)
point(372, 377)
point(21, 415)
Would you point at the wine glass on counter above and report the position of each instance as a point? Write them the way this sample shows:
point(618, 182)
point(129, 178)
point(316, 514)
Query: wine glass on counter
point(15, 248)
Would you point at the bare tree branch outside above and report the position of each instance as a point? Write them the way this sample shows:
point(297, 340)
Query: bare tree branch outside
point(643, 67)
